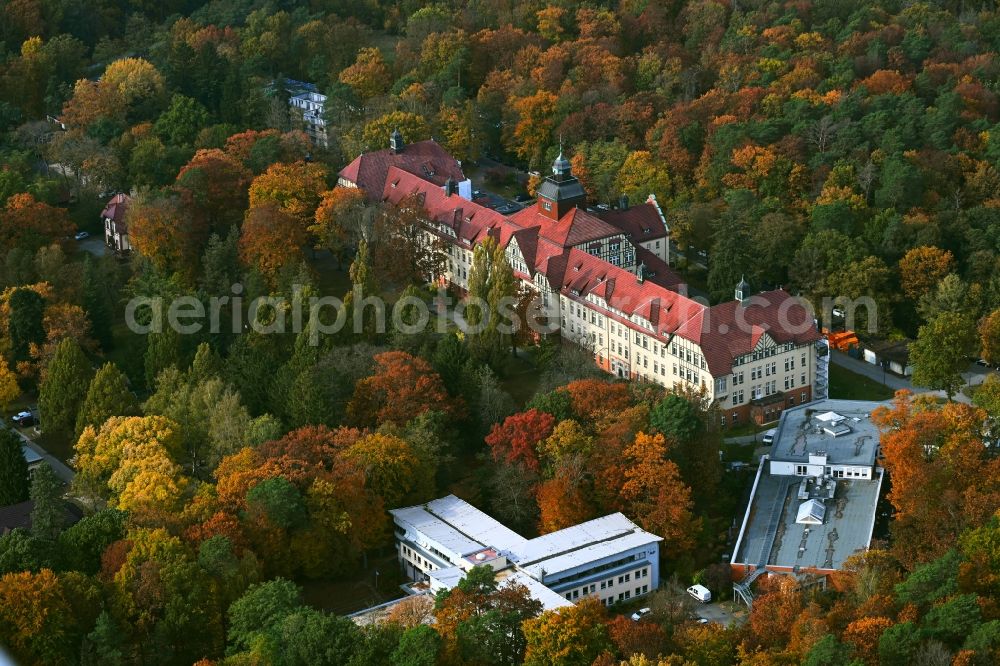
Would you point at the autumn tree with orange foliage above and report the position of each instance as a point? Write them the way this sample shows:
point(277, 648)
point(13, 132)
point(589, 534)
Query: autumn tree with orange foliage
point(162, 232)
point(863, 634)
point(481, 621)
point(30, 224)
point(532, 124)
point(632, 638)
point(213, 186)
point(401, 388)
point(922, 268)
point(369, 75)
point(271, 239)
point(886, 81)
point(294, 188)
point(774, 612)
point(258, 149)
point(593, 397)
point(944, 479)
point(562, 503)
point(345, 514)
point(44, 616)
point(339, 219)
point(574, 635)
point(656, 495)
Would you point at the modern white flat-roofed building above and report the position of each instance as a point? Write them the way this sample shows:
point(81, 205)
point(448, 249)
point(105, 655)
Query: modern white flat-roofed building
point(814, 499)
point(610, 558)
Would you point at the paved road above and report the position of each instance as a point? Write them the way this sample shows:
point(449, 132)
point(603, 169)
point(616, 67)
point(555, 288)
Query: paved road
point(61, 470)
point(973, 376)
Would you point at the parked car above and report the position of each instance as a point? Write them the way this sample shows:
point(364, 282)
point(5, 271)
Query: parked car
point(701, 593)
point(641, 613)
point(81, 235)
point(23, 419)
point(983, 362)
point(768, 437)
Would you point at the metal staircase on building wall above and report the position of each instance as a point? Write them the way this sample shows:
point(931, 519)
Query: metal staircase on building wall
point(821, 386)
point(777, 508)
point(742, 588)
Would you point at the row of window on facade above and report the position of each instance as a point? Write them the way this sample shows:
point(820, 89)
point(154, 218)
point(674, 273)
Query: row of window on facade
point(853, 473)
point(765, 353)
point(608, 584)
point(736, 415)
point(625, 596)
point(416, 558)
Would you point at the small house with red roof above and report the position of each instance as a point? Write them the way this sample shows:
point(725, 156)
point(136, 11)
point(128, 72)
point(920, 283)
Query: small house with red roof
point(605, 281)
point(115, 227)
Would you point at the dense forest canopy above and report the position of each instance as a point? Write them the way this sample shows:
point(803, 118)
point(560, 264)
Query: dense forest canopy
point(832, 147)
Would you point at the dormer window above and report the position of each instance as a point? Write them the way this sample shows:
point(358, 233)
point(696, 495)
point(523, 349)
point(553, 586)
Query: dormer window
point(547, 205)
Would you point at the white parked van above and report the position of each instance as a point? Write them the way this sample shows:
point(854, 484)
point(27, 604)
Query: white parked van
point(768, 437)
point(701, 593)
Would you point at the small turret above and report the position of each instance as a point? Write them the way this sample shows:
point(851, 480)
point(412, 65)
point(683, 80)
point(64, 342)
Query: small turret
point(623, 202)
point(743, 291)
point(396, 141)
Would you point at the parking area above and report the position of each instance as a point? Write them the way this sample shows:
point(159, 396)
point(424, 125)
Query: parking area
point(93, 245)
point(724, 613)
point(672, 605)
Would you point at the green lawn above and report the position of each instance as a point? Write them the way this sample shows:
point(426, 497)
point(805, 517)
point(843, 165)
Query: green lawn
point(848, 385)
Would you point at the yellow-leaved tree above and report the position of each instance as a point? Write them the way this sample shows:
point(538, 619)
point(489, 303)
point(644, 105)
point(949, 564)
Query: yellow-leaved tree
point(132, 462)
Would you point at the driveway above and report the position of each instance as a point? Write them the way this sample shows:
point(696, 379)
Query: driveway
point(94, 245)
point(61, 470)
point(725, 613)
point(973, 376)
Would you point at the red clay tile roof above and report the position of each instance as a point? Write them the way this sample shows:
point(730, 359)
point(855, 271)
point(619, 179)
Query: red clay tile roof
point(574, 228)
point(115, 210)
point(425, 159)
point(657, 270)
point(641, 222)
point(730, 329)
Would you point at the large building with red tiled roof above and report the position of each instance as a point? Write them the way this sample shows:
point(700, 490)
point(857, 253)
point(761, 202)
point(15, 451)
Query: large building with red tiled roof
point(604, 278)
point(425, 159)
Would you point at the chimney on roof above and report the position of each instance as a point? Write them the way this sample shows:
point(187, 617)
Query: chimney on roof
point(640, 272)
point(396, 141)
point(450, 187)
point(623, 202)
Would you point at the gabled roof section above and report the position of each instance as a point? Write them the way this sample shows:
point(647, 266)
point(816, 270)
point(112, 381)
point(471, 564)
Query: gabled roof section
point(115, 209)
point(641, 223)
point(470, 221)
point(425, 159)
point(731, 329)
point(574, 228)
point(666, 310)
